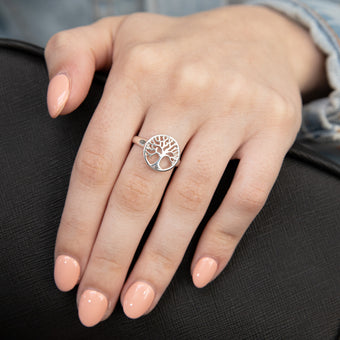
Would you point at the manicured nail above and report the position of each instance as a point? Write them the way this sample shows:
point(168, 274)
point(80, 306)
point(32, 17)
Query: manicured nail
point(204, 271)
point(92, 307)
point(57, 94)
point(66, 272)
point(138, 299)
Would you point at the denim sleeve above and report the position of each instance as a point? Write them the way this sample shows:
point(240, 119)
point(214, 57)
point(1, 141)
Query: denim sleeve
point(321, 118)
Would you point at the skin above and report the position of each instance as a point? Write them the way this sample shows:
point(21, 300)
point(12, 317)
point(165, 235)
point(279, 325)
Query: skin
point(225, 84)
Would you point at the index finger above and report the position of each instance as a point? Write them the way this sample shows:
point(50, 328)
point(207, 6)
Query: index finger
point(102, 152)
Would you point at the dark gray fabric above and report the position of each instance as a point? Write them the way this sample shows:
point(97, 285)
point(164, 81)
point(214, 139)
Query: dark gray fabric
point(283, 282)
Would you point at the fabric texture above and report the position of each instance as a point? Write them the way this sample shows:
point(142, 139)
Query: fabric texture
point(282, 282)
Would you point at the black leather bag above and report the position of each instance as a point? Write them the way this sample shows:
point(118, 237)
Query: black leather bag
point(283, 281)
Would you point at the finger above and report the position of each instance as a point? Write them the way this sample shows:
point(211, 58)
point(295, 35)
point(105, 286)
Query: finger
point(133, 201)
point(72, 57)
point(257, 171)
point(184, 205)
point(102, 152)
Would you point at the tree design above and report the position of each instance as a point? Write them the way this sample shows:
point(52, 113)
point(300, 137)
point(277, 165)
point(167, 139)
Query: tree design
point(161, 148)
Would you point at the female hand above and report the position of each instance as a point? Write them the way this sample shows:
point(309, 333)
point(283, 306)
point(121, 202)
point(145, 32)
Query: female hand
point(225, 84)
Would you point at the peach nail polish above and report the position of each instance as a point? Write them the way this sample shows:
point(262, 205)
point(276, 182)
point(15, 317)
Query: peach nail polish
point(138, 299)
point(92, 307)
point(204, 271)
point(57, 94)
point(66, 272)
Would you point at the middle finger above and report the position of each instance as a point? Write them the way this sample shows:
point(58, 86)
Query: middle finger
point(133, 201)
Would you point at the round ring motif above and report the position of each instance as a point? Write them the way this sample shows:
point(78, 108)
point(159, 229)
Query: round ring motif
point(161, 152)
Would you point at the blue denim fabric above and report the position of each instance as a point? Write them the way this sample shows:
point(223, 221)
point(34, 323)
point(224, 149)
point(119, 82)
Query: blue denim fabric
point(321, 118)
point(37, 20)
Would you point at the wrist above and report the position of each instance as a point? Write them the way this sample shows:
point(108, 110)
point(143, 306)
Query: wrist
point(292, 40)
point(307, 61)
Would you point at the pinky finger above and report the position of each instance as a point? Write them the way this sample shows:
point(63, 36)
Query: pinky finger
point(252, 183)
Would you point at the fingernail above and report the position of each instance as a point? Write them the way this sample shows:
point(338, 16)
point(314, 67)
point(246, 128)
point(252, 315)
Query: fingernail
point(138, 299)
point(204, 271)
point(92, 307)
point(57, 94)
point(66, 272)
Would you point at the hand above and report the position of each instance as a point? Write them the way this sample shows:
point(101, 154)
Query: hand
point(225, 84)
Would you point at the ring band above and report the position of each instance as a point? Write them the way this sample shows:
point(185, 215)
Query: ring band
point(161, 152)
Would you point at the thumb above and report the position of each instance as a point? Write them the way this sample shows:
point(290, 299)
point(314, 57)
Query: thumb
point(72, 57)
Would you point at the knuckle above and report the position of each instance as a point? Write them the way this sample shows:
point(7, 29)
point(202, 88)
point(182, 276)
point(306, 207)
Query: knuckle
point(190, 194)
point(142, 58)
point(191, 79)
point(225, 236)
point(59, 42)
point(134, 194)
point(223, 241)
point(93, 166)
point(237, 82)
point(106, 262)
point(251, 200)
point(279, 104)
point(283, 111)
point(237, 85)
point(162, 259)
point(73, 233)
point(74, 225)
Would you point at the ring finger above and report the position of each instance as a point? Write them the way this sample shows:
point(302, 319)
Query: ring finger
point(133, 201)
point(184, 205)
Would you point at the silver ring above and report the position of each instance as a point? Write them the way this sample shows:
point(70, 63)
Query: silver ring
point(161, 152)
